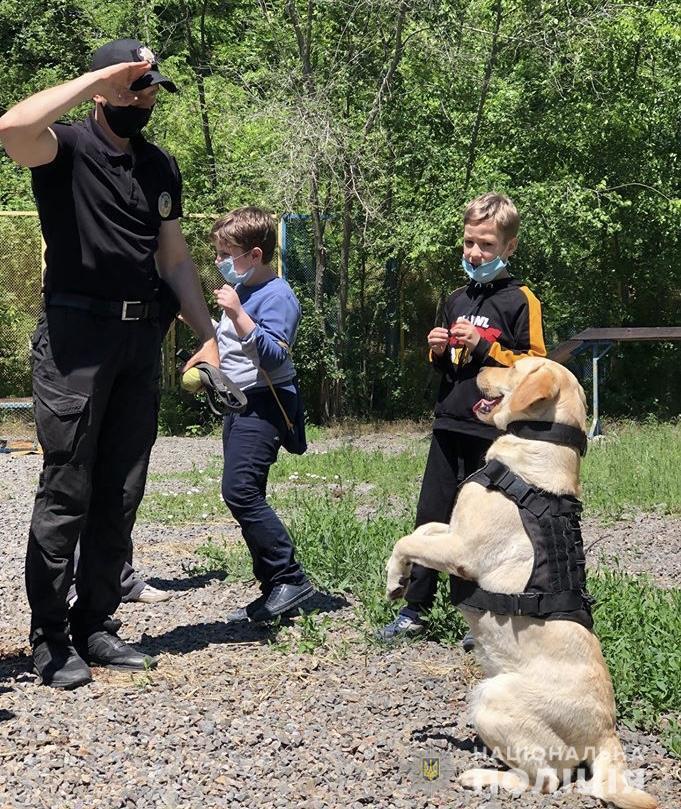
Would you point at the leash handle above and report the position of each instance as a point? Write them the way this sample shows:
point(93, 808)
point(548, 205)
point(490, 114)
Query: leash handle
point(287, 420)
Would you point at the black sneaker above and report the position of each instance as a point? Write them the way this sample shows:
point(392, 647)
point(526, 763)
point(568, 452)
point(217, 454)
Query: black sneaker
point(468, 642)
point(58, 664)
point(246, 613)
point(282, 598)
point(404, 626)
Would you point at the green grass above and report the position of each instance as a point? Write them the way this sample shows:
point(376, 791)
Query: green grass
point(639, 626)
point(234, 560)
point(396, 474)
point(347, 507)
point(633, 466)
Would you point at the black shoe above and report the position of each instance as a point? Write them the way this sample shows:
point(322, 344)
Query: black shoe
point(104, 648)
point(246, 613)
point(468, 642)
point(283, 598)
point(403, 626)
point(58, 664)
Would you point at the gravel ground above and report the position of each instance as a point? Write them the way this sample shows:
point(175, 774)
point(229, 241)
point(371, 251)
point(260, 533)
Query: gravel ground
point(230, 720)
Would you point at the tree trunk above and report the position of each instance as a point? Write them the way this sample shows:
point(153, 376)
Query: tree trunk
point(197, 58)
point(344, 280)
point(484, 90)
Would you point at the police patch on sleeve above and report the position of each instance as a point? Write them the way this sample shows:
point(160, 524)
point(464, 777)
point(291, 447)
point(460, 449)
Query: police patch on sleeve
point(165, 204)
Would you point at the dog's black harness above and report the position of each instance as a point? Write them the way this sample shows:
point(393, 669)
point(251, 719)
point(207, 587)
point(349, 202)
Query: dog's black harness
point(556, 589)
point(550, 431)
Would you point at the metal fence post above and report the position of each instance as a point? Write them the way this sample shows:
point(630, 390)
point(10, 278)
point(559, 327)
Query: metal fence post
point(598, 351)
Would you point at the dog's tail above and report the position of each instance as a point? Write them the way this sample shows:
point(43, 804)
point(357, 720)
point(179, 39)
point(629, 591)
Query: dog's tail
point(609, 782)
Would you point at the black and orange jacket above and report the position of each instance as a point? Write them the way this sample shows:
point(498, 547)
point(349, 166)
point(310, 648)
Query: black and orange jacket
point(508, 317)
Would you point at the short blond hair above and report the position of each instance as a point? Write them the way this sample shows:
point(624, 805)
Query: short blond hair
point(247, 228)
point(497, 207)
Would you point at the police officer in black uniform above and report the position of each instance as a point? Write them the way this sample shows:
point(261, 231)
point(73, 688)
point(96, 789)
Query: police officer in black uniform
point(109, 204)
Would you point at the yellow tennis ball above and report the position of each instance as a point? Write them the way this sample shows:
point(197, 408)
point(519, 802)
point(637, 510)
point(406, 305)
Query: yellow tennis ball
point(191, 380)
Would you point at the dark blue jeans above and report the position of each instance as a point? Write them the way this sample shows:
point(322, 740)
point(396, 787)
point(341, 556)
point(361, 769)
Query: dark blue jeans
point(251, 442)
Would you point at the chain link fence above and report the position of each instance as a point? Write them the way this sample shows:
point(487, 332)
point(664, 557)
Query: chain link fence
point(21, 268)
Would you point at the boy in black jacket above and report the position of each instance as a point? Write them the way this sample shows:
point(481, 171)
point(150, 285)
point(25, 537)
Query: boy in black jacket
point(495, 320)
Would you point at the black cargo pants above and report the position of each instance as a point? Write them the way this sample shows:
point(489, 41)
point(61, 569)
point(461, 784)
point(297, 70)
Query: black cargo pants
point(96, 396)
point(451, 459)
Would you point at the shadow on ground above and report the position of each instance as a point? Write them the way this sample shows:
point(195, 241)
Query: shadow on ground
point(430, 733)
point(192, 637)
point(5, 714)
point(195, 582)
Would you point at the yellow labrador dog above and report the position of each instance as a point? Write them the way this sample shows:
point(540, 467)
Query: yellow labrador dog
point(546, 702)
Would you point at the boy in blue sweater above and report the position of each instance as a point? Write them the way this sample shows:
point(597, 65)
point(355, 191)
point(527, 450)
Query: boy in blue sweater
point(258, 327)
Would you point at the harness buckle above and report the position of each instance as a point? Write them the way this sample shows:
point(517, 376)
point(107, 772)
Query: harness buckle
point(520, 606)
point(124, 313)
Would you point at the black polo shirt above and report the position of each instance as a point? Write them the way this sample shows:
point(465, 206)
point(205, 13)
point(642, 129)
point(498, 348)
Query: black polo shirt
point(101, 211)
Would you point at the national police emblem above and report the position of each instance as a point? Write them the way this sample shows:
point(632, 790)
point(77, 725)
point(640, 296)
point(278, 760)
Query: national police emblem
point(165, 204)
point(146, 54)
point(430, 768)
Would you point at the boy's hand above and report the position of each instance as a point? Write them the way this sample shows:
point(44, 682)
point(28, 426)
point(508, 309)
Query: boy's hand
point(465, 333)
point(437, 340)
point(228, 300)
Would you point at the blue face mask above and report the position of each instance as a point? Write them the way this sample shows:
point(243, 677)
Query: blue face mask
point(485, 272)
point(229, 273)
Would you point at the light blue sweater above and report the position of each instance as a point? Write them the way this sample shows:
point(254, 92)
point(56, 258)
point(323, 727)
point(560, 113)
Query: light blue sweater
point(275, 310)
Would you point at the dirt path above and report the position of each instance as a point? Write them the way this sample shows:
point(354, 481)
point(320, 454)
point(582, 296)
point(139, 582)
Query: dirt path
point(230, 720)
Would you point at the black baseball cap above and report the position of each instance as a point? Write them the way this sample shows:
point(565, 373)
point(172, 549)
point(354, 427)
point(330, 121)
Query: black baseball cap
point(132, 50)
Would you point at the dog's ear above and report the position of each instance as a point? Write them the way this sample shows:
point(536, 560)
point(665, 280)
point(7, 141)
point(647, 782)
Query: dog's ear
point(537, 385)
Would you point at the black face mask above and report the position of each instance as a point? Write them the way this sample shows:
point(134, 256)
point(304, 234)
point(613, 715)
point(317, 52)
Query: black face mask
point(126, 122)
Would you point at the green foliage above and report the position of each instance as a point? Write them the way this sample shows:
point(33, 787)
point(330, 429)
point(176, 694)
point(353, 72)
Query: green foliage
point(233, 560)
point(20, 276)
point(310, 634)
point(444, 622)
point(383, 120)
point(184, 414)
point(639, 626)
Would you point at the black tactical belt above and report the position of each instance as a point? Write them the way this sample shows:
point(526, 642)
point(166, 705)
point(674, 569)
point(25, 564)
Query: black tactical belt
point(120, 310)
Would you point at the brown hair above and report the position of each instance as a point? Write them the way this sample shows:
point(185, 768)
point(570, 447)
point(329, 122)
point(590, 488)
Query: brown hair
point(497, 207)
point(247, 228)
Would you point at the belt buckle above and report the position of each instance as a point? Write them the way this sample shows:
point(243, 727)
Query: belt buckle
point(124, 313)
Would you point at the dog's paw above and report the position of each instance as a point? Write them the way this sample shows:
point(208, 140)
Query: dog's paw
point(398, 579)
point(395, 591)
point(469, 779)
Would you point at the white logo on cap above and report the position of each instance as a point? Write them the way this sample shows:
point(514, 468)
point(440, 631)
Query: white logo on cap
point(165, 204)
point(146, 54)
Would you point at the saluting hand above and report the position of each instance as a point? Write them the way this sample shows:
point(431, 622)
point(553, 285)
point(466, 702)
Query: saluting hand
point(114, 82)
point(228, 300)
